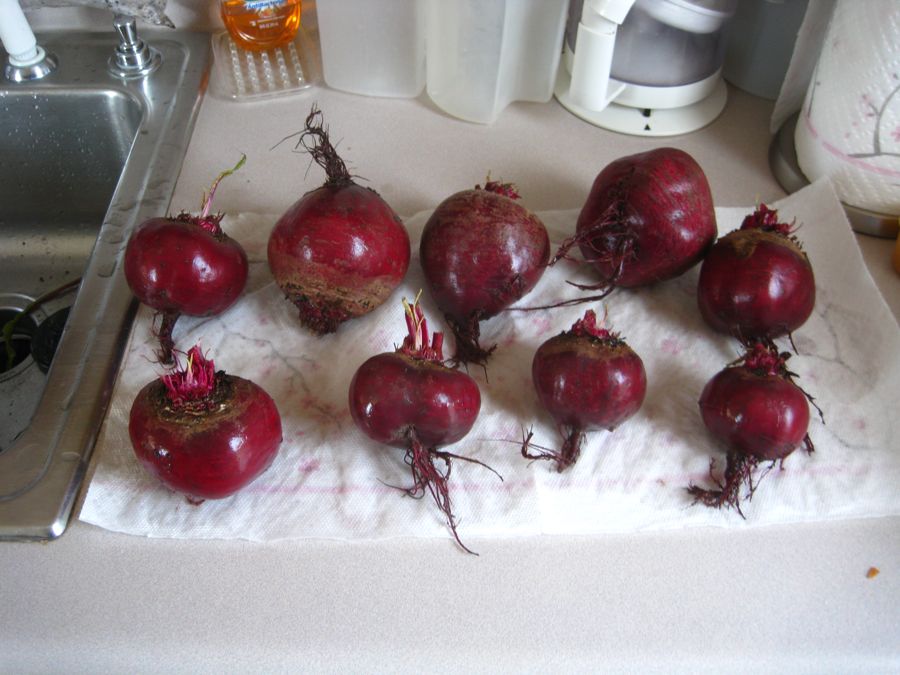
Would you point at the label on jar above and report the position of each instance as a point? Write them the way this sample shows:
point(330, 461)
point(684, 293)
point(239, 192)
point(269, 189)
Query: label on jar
point(258, 5)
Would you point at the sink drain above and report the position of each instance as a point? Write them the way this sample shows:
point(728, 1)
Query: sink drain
point(19, 347)
point(10, 305)
point(21, 385)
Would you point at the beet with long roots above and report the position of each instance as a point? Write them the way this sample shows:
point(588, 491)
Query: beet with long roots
point(756, 282)
point(204, 433)
point(185, 265)
point(340, 250)
point(409, 399)
point(587, 378)
point(757, 411)
point(649, 217)
point(481, 251)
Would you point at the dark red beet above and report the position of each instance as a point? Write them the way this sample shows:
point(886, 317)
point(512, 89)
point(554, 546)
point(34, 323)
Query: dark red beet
point(649, 217)
point(588, 379)
point(340, 250)
point(756, 282)
point(481, 251)
point(204, 433)
point(759, 414)
point(409, 399)
point(185, 265)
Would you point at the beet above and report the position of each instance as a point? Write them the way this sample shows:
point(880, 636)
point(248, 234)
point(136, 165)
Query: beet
point(481, 251)
point(588, 379)
point(340, 250)
point(409, 399)
point(756, 282)
point(204, 433)
point(649, 217)
point(185, 265)
point(757, 411)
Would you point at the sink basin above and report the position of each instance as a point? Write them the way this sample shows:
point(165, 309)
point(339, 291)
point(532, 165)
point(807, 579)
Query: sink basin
point(86, 157)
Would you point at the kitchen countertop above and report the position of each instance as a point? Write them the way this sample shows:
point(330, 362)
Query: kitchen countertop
point(783, 598)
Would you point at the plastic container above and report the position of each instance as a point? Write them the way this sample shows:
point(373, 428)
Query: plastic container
point(484, 54)
point(373, 47)
point(258, 25)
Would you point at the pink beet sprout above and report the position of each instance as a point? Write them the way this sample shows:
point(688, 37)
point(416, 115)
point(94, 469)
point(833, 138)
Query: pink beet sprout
point(415, 344)
point(766, 219)
point(193, 383)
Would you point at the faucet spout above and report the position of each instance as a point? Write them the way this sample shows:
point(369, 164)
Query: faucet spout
point(26, 59)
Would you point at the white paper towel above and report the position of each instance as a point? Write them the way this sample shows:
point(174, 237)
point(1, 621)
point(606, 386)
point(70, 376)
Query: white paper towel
point(330, 481)
point(849, 126)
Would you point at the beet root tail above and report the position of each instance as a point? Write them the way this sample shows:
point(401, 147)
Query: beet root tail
point(164, 335)
point(468, 349)
point(739, 471)
point(428, 477)
point(566, 456)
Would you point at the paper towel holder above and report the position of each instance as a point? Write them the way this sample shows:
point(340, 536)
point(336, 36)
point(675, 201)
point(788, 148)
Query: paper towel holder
point(786, 169)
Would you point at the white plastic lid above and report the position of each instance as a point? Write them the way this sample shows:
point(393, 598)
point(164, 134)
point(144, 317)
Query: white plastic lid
point(693, 16)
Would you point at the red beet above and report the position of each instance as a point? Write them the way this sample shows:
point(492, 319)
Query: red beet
point(756, 282)
point(754, 408)
point(588, 378)
point(481, 251)
point(409, 399)
point(649, 217)
point(340, 250)
point(185, 265)
point(204, 433)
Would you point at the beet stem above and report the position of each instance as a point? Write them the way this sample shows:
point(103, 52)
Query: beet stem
point(415, 343)
point(315, 140)
point(208, 198)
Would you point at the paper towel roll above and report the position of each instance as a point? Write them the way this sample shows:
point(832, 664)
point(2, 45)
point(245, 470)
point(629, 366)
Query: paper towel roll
point(849, 127)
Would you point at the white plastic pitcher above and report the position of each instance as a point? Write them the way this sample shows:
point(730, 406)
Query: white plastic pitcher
point(373, 47)
point(483, 54)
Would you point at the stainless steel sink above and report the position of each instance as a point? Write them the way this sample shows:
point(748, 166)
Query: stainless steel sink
point(85, 157)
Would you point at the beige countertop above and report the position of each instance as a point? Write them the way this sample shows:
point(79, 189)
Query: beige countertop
point(785, 598)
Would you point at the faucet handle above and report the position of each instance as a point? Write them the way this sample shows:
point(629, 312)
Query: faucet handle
point(126, 27)
point(133, 57)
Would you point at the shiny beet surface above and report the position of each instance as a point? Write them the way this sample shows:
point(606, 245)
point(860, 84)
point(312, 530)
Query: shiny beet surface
point(392, 394)
point(587, 384)
point(175, 265)
point(206, 454)
point(649, 217)
point(756, 284)
point(481, 251)
point(338, 253)
point(764, 416)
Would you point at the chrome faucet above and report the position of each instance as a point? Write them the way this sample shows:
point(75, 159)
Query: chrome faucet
point(28, 61)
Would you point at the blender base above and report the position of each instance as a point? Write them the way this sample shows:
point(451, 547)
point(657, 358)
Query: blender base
point(648, 122)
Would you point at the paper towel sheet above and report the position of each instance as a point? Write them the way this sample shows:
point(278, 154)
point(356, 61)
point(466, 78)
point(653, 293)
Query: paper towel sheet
point(330, 481)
